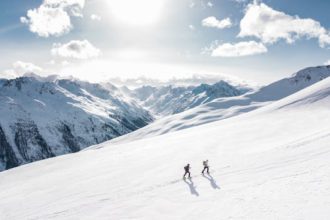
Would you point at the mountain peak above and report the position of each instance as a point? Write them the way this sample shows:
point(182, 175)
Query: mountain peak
point(317, 73)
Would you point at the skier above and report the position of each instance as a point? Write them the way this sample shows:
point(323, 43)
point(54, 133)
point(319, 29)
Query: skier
point(206, 167)
point(186, 171)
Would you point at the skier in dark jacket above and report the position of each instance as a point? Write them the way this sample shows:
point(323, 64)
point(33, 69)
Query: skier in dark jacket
point(206, 167)
point(187, 171)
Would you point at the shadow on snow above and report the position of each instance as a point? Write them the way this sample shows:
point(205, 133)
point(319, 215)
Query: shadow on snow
point(192, 186)
point(212, 181)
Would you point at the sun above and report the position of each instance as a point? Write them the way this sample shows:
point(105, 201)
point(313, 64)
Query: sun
point(136, 12)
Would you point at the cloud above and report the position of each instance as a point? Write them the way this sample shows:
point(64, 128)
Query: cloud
point(327, 63)
point(46, 21)
point(188, 80)
point(214, 22)
point(53, 17)
point(95, 17)
point(240, 49)
point(75, 49)
point(73, 7)
point(65, 63)
point(270, 26)
point(21, 67)
point(209, 4)
point(191, 27)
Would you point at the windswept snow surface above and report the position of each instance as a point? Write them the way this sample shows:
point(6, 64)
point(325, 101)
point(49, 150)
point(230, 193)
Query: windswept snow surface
point(223, 108)
point(271, 163)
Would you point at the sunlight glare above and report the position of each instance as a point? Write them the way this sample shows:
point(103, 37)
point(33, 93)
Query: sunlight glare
point(136, 12)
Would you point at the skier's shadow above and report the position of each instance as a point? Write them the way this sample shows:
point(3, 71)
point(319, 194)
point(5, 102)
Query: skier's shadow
point(212, 181)
point(192, 186)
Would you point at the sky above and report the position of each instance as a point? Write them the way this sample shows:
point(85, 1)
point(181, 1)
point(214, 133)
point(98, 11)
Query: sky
point(96, 40)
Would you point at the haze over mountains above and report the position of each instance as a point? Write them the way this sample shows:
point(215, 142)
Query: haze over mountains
point(168, 100)
point(222, 108)
point(270, 163)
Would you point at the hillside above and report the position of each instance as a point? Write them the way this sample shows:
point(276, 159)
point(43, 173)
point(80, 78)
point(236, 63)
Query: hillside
point(227, 107)
point(42, 118)
point(271, 163)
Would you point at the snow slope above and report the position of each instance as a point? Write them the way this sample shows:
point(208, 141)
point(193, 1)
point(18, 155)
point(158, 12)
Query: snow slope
point(271, 163)
point(41, 118)
point(223, 108)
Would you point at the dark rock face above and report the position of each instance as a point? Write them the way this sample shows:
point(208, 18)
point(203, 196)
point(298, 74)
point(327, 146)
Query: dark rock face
point(30, 143)
point(7, 155)
point(17, 82)
point(68, 138)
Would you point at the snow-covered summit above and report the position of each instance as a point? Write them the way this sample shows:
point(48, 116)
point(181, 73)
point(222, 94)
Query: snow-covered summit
point(292, 84)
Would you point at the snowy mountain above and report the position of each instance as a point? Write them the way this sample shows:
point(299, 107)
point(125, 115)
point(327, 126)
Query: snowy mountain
point(42, 118)
point(168, 100)
point(222, 108)
point(270, 163)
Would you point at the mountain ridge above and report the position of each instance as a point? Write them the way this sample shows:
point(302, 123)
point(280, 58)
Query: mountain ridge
point(42, 119)
point(227, 107)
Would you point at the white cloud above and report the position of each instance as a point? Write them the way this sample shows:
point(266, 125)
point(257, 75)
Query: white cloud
point(20, 67)
point(240, 49)
point(53, 17)
point(75, 49)
point(209, 4)
point(51, 62)
point(74, 7)
point(8, 74)
point(327, 63)
point(47, 21)
point(192, 27)
point(270, 26)
point(65, 63)
point(214, 22)
point(95, 17)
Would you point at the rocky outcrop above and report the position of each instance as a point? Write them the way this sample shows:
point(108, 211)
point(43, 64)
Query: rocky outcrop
point(7, 156)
